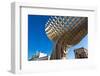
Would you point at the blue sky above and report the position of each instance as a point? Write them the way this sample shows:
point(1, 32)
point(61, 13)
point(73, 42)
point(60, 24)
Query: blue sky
point(38, 40)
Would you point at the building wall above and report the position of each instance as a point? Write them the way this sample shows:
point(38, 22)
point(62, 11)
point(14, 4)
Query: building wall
point(81, 53)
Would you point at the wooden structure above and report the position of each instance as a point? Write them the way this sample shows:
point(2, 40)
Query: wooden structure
point(65, 31)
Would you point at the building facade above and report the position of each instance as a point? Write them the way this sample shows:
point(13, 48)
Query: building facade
point(81, 53)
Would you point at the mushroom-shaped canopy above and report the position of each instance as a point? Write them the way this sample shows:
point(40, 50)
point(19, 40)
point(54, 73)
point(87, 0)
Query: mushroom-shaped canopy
point(67, 29)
